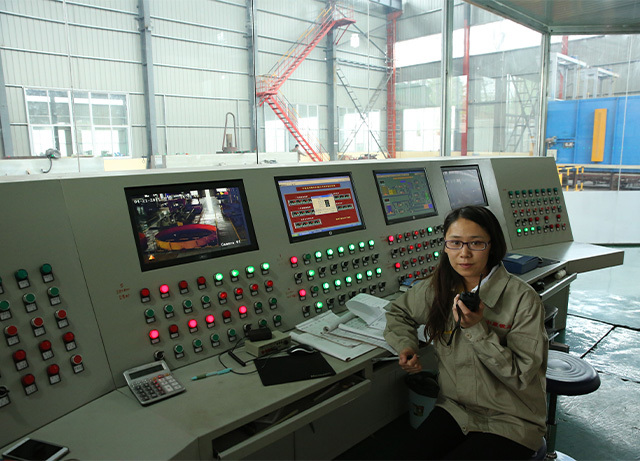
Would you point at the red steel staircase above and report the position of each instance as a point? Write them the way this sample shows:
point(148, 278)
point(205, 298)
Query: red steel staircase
point(268, 86)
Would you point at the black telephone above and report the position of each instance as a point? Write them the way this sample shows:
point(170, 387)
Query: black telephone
point(472, 299)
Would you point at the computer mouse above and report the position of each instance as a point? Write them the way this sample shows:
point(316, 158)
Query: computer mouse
point(300, 349)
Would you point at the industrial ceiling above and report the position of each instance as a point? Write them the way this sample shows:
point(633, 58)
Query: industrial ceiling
point(565, 17)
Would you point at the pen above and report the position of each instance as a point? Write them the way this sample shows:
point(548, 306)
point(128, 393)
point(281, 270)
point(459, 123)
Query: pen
point(212, 373)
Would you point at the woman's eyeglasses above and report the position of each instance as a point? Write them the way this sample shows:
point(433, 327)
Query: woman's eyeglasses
point(474, 245)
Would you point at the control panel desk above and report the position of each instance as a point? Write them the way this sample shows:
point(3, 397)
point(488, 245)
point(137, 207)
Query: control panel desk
point(212, 413)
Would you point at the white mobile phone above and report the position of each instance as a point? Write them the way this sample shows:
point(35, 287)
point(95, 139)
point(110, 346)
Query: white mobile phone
point(35, 450)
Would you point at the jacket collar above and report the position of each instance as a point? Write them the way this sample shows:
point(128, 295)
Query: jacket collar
point(491, 290)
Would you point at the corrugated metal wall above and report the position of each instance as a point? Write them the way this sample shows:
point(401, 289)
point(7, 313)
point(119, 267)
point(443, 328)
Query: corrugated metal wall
point(201, 61)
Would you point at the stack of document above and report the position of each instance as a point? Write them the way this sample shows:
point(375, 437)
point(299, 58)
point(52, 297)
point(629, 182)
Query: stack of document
point(347, 336)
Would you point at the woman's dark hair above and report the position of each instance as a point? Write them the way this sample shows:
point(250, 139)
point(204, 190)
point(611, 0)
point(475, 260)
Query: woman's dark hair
point(445, 280)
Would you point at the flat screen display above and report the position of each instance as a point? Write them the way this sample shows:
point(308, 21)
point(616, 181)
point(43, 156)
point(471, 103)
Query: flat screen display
point(180, 223)
point(404, 195)
point(464, 186)
point(319, 205)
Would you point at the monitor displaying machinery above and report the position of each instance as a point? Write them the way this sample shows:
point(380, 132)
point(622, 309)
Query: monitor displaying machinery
point(405, 195)
point(319, 205)
point(179, 223)
point(464, 186)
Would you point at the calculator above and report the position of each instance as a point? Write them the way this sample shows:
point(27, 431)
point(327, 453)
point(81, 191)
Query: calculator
point(152, 382)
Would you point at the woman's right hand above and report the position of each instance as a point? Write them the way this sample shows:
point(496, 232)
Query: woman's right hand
point(409, 361)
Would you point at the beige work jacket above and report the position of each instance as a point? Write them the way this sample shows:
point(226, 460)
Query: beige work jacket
point(493, 376)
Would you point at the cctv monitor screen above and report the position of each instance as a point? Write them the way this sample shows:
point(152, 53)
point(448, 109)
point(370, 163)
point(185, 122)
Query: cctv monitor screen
point(180, 223)
point(319, 205)
point(404, 195)
point(464, 186)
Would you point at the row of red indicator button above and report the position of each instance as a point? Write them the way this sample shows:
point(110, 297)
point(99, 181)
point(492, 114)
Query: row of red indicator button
point(192, 324)
point(397, 238)
point(36, 323)
point(53, 372)
point(145, 293)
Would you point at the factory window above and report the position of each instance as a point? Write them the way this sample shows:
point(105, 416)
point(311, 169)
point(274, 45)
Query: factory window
point(279, 139)
point(79, 123)
point(359, 136)
point(421, 130)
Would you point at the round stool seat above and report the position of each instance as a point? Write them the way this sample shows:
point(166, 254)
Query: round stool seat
point(569, 375)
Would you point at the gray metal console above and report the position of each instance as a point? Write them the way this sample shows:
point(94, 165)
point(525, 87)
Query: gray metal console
point(103, 274)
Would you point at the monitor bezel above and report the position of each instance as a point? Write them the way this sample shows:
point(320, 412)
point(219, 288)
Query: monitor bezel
point(465, 168)
point(317, 235)
point(145, 266)
point(407, 218)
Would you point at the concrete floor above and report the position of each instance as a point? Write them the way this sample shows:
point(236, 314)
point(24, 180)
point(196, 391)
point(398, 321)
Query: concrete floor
point(603, 328)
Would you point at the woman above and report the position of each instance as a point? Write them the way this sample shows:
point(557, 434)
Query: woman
point(491, 362)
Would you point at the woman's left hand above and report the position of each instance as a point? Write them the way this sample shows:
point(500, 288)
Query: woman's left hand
point(468, 318)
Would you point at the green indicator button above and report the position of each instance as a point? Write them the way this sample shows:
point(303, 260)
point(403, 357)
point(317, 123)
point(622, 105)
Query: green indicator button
point(197, 343)
point(234, 273)
point(369, 273)
point(4, 305)
point(311, 273)
point(53, 291)
point(218, 277)
point(265, 266)
point(215, 337)
point(178, 349)
point(315, 288)
point(352, 247)
point(232, 332)
point(149, 313)
point(318, 254)
point(21, 274)
point(273, 301)
point(262, 322)
point(359, 276)
point(330, 252)
point(348, 279)
point(257, 305)
point(319, 305)
point(250, 269)
point(360, 244)
point(29, 298)
point(337, 283)
point(307, 256)
point(206, 299)
point(46, 269)
point(277, 318)
point(430, 229)
point(341, 250)
point(372, 243)
point(378, 271)
point(325, 286)
point(187, 303)
point(168, 308)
